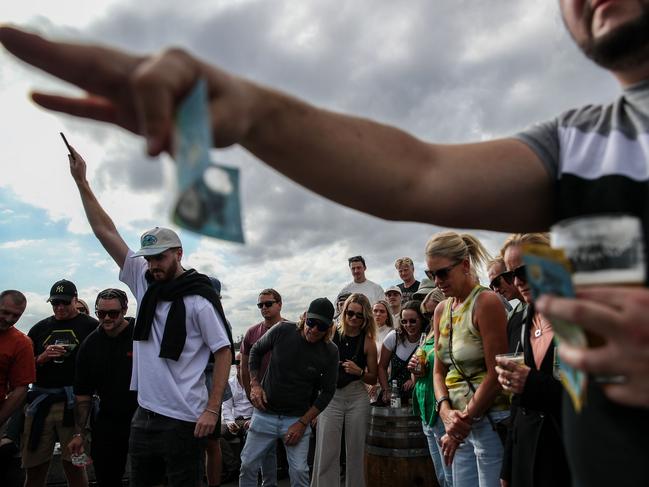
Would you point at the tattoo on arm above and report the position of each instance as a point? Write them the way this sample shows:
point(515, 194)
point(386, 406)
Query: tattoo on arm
point(81, 414)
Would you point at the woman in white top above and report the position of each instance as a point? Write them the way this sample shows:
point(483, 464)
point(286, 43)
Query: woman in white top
point(398, 347)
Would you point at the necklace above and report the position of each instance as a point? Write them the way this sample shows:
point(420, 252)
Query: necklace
point(538, 330)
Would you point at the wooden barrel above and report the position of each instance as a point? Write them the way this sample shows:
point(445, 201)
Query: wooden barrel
point(396, 450)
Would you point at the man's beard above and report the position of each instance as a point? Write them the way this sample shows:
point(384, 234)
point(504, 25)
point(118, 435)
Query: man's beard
point(622, 48)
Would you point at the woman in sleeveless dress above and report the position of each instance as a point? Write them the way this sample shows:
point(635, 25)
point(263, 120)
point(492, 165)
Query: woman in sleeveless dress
point(470, 330)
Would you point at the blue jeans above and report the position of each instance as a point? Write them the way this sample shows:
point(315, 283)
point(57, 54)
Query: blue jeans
point(434, 434)
point(264, 431)
point(478, 460)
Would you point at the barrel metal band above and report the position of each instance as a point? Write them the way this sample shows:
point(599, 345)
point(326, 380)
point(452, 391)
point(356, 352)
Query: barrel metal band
point(395, 452)
point(390, 434)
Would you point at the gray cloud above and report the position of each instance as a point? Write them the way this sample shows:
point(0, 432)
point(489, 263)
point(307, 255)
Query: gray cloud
point(447, 71)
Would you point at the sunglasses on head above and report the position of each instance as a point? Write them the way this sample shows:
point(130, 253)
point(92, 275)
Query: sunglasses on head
point(354, 314)
point(507, 276)
point(59, 302)
point(410, 321)
point(111, 313)
point(321, 325)
point(520, 273)
point(265, 304)
point(440, 273)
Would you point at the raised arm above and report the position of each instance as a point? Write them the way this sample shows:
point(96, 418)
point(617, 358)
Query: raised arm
point(102, 225)
point(309, 145)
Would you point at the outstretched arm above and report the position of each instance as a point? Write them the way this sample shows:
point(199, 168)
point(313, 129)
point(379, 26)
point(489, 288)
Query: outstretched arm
point(309, 145)
point(101, 224)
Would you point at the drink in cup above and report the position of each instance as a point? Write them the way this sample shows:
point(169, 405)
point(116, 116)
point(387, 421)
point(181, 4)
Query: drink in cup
point(517, 357)
point(604, 250)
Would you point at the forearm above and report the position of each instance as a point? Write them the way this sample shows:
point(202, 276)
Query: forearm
point(383, 377)
point(484, 396)
point(220, 374)
point(14, 400)
point(373, 155)
point(82, 407)
point(310, 415)
point(245, 374)
point(102, 225)
point(330, 143)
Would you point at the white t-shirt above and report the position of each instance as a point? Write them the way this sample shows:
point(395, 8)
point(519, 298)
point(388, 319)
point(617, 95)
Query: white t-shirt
point(370, 289)
point(381, 333)
point(238, 404)
point(404, 349)
point(174, 388)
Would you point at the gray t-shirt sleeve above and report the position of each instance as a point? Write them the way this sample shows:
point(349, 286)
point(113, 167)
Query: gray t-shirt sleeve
point(543, 139)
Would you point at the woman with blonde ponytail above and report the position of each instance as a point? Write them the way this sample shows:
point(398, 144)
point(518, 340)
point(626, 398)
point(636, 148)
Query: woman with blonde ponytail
point(470, 330)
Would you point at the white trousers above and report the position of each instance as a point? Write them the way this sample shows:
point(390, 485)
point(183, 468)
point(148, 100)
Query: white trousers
point(350, 406)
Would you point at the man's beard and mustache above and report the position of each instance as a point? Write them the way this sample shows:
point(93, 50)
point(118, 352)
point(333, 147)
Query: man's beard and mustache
point(624, 47)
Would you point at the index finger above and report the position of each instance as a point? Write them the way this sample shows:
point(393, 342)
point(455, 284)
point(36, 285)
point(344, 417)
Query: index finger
point(94, 68)
point(616, 296)
point(590, 315)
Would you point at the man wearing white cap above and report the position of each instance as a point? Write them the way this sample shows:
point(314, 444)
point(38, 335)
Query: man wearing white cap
point(180, 322)
point(393, 297)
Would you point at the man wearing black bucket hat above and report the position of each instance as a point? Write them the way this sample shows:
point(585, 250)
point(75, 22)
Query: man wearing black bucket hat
point(49, 415)
point(298, 384)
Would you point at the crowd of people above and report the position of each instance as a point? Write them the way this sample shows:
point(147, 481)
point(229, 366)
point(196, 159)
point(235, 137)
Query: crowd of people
point(303, 384)
point(494, 421)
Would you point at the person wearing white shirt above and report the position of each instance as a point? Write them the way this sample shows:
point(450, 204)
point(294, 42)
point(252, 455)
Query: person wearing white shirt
point(361, 284)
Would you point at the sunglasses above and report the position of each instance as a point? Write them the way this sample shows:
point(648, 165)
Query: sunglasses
point(410, 321)
point(508, 277)
point(157, 257)
point(111, 313)
point(321, 325)
point(59, 302)
point(520, 273)
point(442, 273)
point(354, 314)
point(265, 304)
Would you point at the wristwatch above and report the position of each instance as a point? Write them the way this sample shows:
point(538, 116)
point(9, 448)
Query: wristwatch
point(438, 403)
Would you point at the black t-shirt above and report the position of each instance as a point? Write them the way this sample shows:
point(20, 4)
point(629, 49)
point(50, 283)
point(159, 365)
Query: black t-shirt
point(407, 292)
point(104, 366)
point(47, 332)
point(349, 348)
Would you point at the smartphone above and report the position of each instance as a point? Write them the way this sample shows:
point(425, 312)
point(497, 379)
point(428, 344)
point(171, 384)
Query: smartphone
point(66, 144)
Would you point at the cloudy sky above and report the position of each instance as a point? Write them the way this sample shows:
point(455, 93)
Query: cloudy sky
point(447, 71)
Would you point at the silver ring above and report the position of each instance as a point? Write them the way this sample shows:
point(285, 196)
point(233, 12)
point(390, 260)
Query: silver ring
point(508, 382)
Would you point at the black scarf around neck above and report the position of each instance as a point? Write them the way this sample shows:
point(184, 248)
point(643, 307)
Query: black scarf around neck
point(189, 283)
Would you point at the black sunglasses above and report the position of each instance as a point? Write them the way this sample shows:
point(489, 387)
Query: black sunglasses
point(265, 304)
point(354, 314)
point(440, 273)
point(321, 325)
point(411, 321)
point(59, 302)
point(520, 273)
point(507, 276)
point(111, 313)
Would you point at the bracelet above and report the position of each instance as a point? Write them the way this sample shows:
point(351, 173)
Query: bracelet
point(302, 422)
point(212, 411)
point(438, 403)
